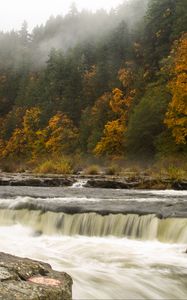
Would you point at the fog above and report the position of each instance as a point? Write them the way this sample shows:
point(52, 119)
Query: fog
point(72, 25)
point(75, 28)
point(13, 12)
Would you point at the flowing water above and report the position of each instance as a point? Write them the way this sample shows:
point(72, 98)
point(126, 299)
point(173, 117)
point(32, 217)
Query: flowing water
point(109, 256)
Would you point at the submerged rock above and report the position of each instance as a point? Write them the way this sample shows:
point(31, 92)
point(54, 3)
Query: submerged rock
point(25, 279)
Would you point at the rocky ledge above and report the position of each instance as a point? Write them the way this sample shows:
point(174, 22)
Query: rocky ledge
point(92, 181)
point(25, 279)
point(35, 180)
point(139, 183)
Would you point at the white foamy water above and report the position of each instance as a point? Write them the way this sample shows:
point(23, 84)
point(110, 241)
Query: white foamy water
point(80, 183)
point(106, 268)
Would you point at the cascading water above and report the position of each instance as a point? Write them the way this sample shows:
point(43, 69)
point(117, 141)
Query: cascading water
point(109, 256)
point(148, 227)
point(79, 183)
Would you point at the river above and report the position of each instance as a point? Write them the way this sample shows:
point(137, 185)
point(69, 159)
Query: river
point(110, 255)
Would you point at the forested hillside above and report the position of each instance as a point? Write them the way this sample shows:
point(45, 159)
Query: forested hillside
point(104, 85)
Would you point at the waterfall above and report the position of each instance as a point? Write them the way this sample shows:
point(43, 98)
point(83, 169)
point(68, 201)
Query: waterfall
point(147, 227)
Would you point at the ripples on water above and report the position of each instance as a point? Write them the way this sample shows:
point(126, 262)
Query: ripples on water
point(105, 267)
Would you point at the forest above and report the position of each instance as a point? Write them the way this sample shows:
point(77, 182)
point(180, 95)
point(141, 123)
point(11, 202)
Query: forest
point(96, 86)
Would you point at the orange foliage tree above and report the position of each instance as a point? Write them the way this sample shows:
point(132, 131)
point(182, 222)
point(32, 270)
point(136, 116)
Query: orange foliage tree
point(62, 135)
point(30, 141)
point(176, 116)
point(24, 141)
point(33, 134)
point(113, 140)
point(16, 145)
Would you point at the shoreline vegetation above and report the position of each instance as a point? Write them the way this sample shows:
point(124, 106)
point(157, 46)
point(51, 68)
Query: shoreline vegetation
point(129, 179)
point(168, 173)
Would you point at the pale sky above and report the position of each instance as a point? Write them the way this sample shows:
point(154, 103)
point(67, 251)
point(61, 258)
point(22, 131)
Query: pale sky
point(36, 12)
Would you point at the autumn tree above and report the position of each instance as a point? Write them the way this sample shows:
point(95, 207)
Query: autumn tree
point(113, 140)
point(23, 138)
point(31, 123)
point(10, 122)
point(93, 121)
point(17, 146)
point(176, 116)
point(34, 133)
point(62, 135)
point(2, 148)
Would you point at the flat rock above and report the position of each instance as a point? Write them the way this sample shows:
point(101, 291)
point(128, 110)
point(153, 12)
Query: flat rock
point(36, 181)
point(93, 181)
point(26, 279)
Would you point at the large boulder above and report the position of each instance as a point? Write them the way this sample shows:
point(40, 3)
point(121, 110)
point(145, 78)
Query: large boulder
point(26, 279)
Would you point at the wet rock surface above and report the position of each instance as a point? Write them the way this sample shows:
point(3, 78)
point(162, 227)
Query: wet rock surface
point(179, 185)
point(34, 180)
point(25, 279)
point(98, 181)
point(110, 184)
point(139, 182)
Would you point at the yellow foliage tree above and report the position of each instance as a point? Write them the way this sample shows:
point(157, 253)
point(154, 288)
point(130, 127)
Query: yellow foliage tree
point(25, 140)
point(176, 116)
point(2, 147)
point(35, 137)
point(30, 141)
point(126, 75)
point(16, 145)
point(31, 121)
point(120, 104)
point(113, 140)
point(63, 135)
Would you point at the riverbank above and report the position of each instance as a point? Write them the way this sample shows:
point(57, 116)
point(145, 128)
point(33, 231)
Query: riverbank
point(127, 181)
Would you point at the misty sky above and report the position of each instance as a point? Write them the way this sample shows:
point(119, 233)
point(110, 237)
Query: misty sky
point(13, 12)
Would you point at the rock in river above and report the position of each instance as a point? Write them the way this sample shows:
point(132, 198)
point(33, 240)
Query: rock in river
point(25, 279)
